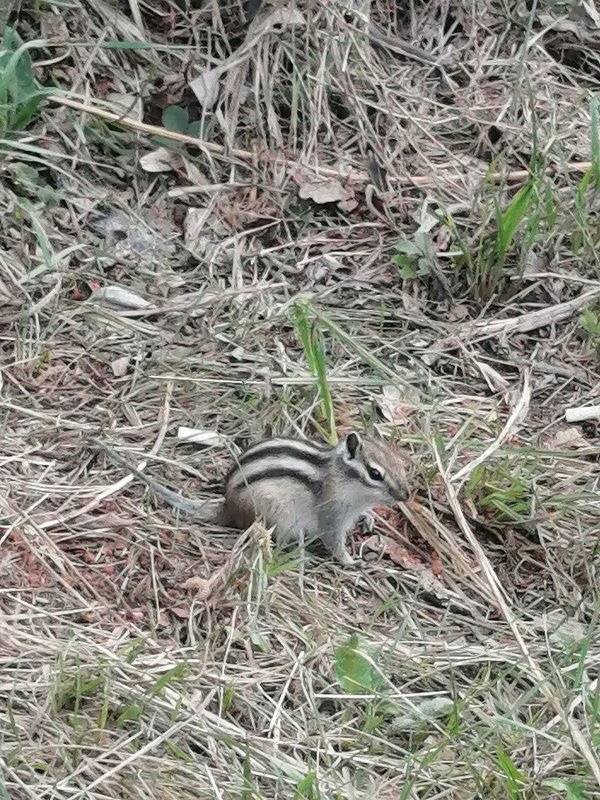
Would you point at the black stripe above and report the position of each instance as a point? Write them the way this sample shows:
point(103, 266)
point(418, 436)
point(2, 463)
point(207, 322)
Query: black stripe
point(283, 450)
point(353, 473)
point(278, 472)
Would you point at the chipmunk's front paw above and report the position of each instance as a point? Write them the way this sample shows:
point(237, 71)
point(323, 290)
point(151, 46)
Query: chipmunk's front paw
point(366, 524)
point(344, 557)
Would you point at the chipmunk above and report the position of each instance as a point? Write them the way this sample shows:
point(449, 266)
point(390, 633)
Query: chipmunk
point(302, 489)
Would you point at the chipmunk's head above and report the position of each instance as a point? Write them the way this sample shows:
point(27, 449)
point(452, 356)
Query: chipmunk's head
point(376, 467)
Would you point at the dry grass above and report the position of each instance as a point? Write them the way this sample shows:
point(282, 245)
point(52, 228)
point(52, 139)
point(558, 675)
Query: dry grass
point(146, 657)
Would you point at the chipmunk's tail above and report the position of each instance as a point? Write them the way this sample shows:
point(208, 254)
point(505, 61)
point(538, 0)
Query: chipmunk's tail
point(208, 510)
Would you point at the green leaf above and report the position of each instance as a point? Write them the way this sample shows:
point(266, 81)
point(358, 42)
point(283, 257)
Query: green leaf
point(306, 789)
point(164, 680)
point(515, 779)
point(406, 264)
point(408, 247)
point(27, 178)
point(28, 209)
point(354, 672)
point(260, 642)
point(573, 789)
point(130, 714)
point(26, 111)
point(194, 129)
point(20, 93)
point(314, 352)
point(595, 139)
point(177, 751)
point(512, 218)
point(590, 322)
point(175, 118)
point(114, 44)
point(228, 698)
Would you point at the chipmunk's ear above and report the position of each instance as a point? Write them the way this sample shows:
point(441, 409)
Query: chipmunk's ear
point(353, 444)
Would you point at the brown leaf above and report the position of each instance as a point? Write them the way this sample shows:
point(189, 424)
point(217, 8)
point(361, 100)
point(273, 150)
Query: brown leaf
point(205, 587)
point(328, 190)
point(568, 438)
point(392, 404)
point(159, 160)
point(400, 555)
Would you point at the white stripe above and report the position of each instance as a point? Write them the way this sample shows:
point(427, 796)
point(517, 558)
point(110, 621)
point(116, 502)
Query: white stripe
point(298, 444)
point(249, 471)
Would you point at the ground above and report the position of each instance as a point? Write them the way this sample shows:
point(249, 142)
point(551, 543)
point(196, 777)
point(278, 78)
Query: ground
point(277, 218)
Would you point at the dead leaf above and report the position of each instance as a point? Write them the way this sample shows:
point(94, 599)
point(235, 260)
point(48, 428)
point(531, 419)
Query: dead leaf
point(53, 26)
point(120, 366)
point(125, 235)
point(206, 88)
point(204, 587)
point(159, 160)
point(285, 17)
point(399, 554)
point(198, 436)
point(183, 612)
point(327, 190)
point(201, 586)
point(119, 297)
point(566, 438)
point(393, 406)
point(436, 566)
point(194, 174)
point(495, 381)
point(348, 205)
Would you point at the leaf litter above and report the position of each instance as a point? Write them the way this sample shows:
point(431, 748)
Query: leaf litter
point(337, 133)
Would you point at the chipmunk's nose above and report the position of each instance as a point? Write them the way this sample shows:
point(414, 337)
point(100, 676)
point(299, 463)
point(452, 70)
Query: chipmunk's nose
point(401, 494)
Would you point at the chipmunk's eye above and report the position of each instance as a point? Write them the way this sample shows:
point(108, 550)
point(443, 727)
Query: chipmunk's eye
point(375, 474)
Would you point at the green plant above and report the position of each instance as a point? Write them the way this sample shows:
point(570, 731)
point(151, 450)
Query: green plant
point(177, 119)
point(590, 322)
point(501, 492)
point(486, 262)
point(590, 182)
point(413, 257)
point(515, 780)
point(20, 94)
point(314, 352)
point(356, 672)
point(573, 790)
point(307, 788)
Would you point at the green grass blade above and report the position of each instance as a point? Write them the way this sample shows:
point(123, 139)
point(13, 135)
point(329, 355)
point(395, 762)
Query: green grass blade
point(314, 352)
point(512, 217)
point(595, 137)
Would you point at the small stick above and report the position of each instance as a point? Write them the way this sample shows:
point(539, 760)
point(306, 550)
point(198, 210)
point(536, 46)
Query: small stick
point(581, 413)
point(425, 181)
point(523, 323)
point(518, 414)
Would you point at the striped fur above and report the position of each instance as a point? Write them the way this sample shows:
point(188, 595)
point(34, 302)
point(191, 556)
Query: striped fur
point(303, 489)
